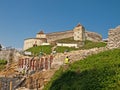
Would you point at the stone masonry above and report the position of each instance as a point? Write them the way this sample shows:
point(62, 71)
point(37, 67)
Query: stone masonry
point(9, 55)
point(114, 38)
point(79, 33)
point(75, 55)
point(92, 36)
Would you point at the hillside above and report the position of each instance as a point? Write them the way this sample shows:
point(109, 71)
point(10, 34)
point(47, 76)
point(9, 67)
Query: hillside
point(88, 45)
point(43, 49)
point(60, 49)
point(96, 72)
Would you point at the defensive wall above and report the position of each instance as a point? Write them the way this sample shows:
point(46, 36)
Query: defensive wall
point(66, 34)
point(59, 35)
point(92, 36)
point(114, 38)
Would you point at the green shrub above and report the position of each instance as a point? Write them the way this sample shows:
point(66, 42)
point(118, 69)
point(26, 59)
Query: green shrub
point(90, 44)
point(3, 62)
point(61, 49)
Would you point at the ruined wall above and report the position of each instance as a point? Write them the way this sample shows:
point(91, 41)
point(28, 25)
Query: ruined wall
point(9, 55)
point(66, 34)
point(114, 38)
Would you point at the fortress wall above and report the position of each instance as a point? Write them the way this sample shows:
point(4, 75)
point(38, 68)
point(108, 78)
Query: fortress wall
point(61, 35)
point(114, 38)
point(92, 36)
point(28, 43)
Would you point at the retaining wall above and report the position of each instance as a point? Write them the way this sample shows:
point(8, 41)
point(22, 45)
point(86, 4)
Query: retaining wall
point(58, 60)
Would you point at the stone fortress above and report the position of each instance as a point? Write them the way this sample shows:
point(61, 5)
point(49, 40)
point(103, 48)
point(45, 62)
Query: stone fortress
point(78, 33)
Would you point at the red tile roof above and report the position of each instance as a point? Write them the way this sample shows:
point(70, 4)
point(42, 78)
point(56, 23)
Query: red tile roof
point(41, 32)
point(79, 25)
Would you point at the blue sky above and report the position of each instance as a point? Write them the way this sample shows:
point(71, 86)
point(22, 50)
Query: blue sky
point(21, 19)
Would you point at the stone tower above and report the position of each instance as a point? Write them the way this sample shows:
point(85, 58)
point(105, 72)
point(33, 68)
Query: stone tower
point(39, 40)
point(79, 33)
point(41, 35)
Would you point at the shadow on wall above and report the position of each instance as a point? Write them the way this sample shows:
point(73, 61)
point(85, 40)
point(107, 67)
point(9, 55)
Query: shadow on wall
point(95, 79)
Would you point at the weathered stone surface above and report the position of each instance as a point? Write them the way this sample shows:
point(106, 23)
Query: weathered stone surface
point(75, 55)
point(114, 38)
point(9, 55)
point(79, 33)
point(67, 34)
point(92, 36)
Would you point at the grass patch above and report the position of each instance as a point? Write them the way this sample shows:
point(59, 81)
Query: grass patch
point(96, 72)
point(67, 40)
point(44, 49)
point(88, 45)
point(60, 49)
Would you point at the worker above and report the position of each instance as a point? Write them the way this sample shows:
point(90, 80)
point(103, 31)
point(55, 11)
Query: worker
point(67, 60)
point(23, 72)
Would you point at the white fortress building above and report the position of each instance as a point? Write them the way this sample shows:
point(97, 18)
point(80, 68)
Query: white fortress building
point(39, 40)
